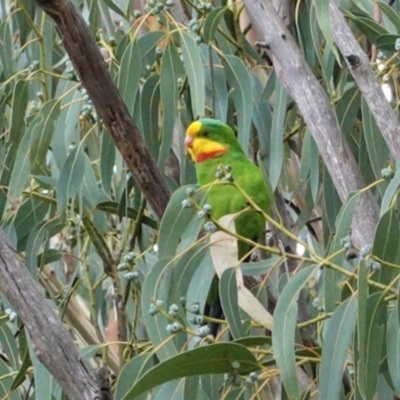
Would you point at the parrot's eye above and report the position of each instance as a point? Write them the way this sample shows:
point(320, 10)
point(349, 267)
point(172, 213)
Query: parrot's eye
point(206, 134)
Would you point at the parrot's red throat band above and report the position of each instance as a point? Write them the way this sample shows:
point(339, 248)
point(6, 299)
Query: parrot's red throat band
point(210, 154)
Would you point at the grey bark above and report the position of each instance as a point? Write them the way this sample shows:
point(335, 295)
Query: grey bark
point(285, 9)
point(313, 103)
point(52, 342)
point(89, 64)
point(366, 80)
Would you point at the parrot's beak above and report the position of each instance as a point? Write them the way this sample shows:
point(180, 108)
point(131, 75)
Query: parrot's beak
point(189, 141)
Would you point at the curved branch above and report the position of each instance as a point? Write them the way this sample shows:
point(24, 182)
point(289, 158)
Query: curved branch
point(314, 105)
point(366, 80)
point(89, 64)
point(52, 342)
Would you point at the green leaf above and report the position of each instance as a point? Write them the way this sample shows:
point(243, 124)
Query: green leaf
point(376, 145)
point(212, 359)
point(285, 320)
point(337, 339)
point(70, 179)
point(393, 347)
point(303, 23)
point(390, 13)
point(149, 102)
point(194, 71)
point(387, 43)
point(9, 66)
point(20, 170)
point(386, 245)
point(261, 267)
point(333, 278)
point(18, 110)
point(175, 221)
point(29, 214)
point(111, 207)
point(129, 74)
point(262, 117)
point(171, 70)
point(5, 383)
point(211, 23)
point(38, 236)
point(111, 5)
point(149, 41)
point(277, 132)
point(159, 287)
point(9, 345)
point(215, 83)
point(391, 191)
point(366, 24)
point(347, 111)
point(41, 374)
point(107, 160)
point(240, 86)
point(66, 132)
point(131, 372)
point(41, 136)
point(377, 315)
point(310, 164)
point(324, 22)
point(229, 302)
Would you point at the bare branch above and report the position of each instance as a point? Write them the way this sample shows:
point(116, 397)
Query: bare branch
point(314, 105)
point(52, 342)
point(85, 55)
point(366, 80)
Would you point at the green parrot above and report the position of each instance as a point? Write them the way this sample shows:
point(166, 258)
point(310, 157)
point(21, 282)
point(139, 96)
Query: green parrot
point(213, 144)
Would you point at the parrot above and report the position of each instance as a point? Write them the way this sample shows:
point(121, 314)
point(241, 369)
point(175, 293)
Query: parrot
point(212, 145)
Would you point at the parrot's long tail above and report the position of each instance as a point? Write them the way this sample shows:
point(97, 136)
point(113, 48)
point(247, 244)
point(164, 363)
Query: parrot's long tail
point(214, 311)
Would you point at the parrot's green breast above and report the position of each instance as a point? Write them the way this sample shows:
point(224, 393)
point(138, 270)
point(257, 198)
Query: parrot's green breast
point(213, 144)
point(226, 199)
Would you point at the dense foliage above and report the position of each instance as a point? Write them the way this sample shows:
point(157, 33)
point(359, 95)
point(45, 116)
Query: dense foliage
point(132, 289)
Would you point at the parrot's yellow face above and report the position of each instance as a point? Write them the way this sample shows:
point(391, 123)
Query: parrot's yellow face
point(200, 144)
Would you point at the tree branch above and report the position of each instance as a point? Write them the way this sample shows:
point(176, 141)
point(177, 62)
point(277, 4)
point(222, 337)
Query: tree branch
point(365, 78)
point(89, 64)
point(314, 105)
point(52, 342)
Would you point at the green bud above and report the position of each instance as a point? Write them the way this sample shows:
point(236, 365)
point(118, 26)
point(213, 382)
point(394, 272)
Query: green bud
point(112, 41)
point(173, 310)
point(365, 251)
point(159, 52)
point(191, 190)
point(210, 227)
point(387, 173)
point(207, 207)
point(203, 331)
point(228, 177)
point(187, 203)
point(235, 364)
point(397, 44)
point(202, 214)
point(152, 310)
point(123, 267)
point(373, 265)
point(176, 327)
point(195, 308)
